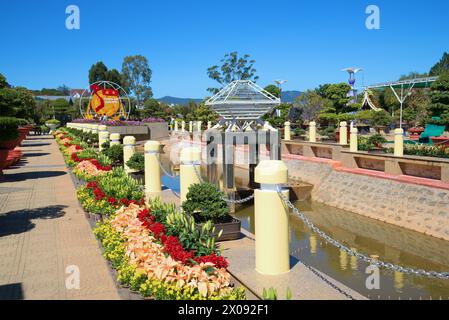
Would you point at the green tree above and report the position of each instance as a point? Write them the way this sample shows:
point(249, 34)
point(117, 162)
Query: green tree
point(3, 82)
point(338, 95)
point(441, 66)
point(274, 90)
point(233, 68)
point(97, 72)
point(64, 90)
point(311, 103)
point(137, 77)
point(204, 114)
point(439, 96)
point(153, 108)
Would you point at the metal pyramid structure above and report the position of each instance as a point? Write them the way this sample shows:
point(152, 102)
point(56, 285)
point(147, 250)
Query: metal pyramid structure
point(242, 100)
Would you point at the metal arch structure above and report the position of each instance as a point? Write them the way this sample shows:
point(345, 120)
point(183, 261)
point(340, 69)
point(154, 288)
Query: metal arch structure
point(125, 102)
point(242, 103)
point(406, 87)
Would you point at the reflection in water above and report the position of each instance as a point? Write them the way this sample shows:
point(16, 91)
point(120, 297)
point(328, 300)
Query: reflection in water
point(383, 241)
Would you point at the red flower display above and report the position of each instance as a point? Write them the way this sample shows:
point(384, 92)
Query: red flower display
point(172, 245)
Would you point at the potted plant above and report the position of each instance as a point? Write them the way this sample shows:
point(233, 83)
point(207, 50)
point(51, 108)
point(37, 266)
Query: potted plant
point(205, 202)
point(137, 164)
point(9, 135)
point(52, 124)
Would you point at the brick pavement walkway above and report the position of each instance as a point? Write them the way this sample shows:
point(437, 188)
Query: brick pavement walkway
point(43, 231)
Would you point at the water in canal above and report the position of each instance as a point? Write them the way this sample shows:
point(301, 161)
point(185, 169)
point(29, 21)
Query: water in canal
point(390, 243)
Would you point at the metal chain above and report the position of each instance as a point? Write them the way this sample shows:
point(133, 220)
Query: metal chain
point(170, 175)
point(239, 201)
point(363, 257)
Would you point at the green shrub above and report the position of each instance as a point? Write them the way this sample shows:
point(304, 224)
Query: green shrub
point(137, 162)
point(53, 121)
point(377, 139)
point(205, 202)
point(115, 153)
point(8, 128)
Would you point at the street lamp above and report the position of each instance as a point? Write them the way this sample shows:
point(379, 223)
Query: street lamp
point(279, 83)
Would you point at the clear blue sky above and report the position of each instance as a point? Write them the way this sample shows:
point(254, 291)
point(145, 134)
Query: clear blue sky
point(305, 42)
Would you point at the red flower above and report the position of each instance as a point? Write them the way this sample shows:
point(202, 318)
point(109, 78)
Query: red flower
point(78, 147)
point(92, 185)
point(74, 157)
point(112, 201)
point(219, 262)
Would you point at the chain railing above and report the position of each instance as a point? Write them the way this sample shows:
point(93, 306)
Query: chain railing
point(360, 256)
point(238, 201)
point(168, 174)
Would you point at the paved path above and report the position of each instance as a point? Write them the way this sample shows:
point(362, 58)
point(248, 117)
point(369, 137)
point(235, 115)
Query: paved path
point(43, 231)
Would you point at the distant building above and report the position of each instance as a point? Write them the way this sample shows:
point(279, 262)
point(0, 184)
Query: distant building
point(52, 98)
point(76, 93)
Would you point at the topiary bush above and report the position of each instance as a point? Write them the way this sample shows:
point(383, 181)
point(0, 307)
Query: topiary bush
point(204, 202)
point(137, 162)
point(115, 153)
point(8, 128)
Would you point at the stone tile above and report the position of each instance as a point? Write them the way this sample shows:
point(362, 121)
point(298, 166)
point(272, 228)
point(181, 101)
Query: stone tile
point(43, 230)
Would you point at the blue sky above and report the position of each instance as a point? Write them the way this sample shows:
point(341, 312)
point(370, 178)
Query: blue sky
point(305, 42)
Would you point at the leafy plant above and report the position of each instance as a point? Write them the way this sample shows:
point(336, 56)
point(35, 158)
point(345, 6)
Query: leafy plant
point(271, 294)
point(137, 162)
point(115, 153)
point(204, 201)
point(8, 128)
point(377, 139)
point(53, 121)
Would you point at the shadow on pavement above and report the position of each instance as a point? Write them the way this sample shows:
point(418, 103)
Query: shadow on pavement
point(35, 154)
point(19, 221)
point(11, 291)
point(14, 177)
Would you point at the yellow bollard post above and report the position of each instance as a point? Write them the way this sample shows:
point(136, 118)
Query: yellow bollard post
point(343, 133)
point(129, 148)
point(176, 126)
point(312, 131)
point(103, 137)
point(353, 142)
point(271, 219)
point(152, 168)
point(398, 142)
point(190, 126)
point(209, 125)
point(190, 162)
point(287, 131)
point(199, 123)
point(115, 139)
point(183, 126)
point(95, 129)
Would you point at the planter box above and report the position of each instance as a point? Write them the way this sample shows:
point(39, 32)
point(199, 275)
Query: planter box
point(231, 230)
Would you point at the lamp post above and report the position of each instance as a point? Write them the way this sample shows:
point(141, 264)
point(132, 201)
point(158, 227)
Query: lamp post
point(279, 83)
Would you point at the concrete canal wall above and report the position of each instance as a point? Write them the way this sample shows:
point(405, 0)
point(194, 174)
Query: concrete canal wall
point(417, 207)
point(418, 204)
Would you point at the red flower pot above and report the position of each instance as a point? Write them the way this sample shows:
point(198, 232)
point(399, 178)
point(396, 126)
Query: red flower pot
point(10, 144)
point(4, 162)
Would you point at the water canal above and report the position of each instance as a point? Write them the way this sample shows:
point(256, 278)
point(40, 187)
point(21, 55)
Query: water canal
point(390, 243)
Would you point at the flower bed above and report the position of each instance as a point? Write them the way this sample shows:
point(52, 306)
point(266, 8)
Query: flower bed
point(154, 264)
point(157, 250)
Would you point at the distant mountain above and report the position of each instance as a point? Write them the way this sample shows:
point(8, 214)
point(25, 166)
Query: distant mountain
point(287, 97)
point(290, 96)
point(176, 100)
